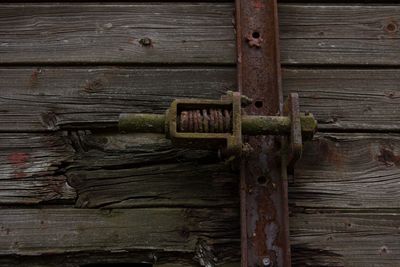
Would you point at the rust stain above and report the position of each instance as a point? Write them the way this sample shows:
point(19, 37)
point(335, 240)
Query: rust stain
point(19, 161)
point(267, 213)
point(34, 79)
point(388, 157)
point(258, 4)
point(330, 153)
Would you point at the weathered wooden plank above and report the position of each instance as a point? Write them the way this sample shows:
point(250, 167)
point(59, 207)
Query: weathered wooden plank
point(111, 170)
point(340, 34)
point(337, 171)
point(345, 239)
point(351, 99)
point(146, 171)
point(349, 171)
point(31, 168)
point(52, 98)
point(193, 33)
point(161, 235)
point(136, 235)
point(60, 33)
point(115, 259)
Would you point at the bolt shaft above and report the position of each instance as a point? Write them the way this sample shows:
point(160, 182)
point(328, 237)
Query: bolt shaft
point(141, 123)
point(251, 125)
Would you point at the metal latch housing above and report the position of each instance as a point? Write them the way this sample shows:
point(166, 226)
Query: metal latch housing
point(208, 124)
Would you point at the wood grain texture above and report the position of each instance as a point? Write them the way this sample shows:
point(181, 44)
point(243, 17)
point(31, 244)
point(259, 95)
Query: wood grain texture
point(344, 203)
point(351, 171)
point(179, 33)
point(165, 232)
point(340, 34)
point(37, 99)
point(147, 171)
point(337, 34)
point(337, 171)
point(120, 259)
point(135, 235)
point(348, 99)
point(50, 98)
point(345, 238)
point(153, 203)
point(31, 168)
point(352, 176)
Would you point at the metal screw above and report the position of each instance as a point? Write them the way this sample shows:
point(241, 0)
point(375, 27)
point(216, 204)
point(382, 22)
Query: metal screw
point(266, 262)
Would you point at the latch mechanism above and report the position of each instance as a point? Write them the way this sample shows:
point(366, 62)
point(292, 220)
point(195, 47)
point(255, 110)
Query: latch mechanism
point(208, 124)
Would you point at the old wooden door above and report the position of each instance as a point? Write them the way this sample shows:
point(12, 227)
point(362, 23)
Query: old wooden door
point(74, 192)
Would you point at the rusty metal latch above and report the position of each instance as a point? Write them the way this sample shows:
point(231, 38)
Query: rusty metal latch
point(207, 124)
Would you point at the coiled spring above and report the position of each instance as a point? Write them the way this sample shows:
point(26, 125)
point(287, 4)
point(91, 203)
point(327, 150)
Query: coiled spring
point(205, 121)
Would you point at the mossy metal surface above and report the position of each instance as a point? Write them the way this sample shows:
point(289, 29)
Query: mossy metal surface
point(142, 123)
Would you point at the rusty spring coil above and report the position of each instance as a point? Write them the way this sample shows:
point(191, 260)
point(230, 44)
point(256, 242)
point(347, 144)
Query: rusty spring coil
point(205, 121)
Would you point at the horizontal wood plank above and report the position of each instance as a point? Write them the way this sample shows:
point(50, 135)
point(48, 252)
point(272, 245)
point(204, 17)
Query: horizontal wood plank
point(147, 171)
point(352, 34)
point(136, 235)
point(76, 33)
point(346, 238)
point(40, 99)
point(348, 99)
point(37, 99)
point(31, 168)
point(336, 171)
point(161, 235)
point(192, 33)
point(120, 259)
point(348, 171)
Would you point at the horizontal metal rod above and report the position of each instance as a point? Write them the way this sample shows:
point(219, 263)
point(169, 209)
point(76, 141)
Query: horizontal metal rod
point(251, 125)
point(265, 125)
point(141, 123)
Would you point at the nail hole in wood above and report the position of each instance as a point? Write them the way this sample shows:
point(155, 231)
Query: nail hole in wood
point(256, 35)
point(261, 180)
point(258, 104)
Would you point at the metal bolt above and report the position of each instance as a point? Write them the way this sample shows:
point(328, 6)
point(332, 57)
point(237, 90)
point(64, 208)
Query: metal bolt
point(266, 262)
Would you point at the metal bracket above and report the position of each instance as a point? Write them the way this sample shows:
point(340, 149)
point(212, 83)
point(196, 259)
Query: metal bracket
point(263, 186)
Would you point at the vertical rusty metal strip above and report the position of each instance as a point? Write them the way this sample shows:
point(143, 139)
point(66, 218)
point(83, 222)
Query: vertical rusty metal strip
point(264, 210)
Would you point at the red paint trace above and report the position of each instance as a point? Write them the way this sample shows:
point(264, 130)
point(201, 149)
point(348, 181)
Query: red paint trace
point(19, 161)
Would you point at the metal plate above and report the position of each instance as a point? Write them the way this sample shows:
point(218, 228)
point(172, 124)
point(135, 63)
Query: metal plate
point(264, 208)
